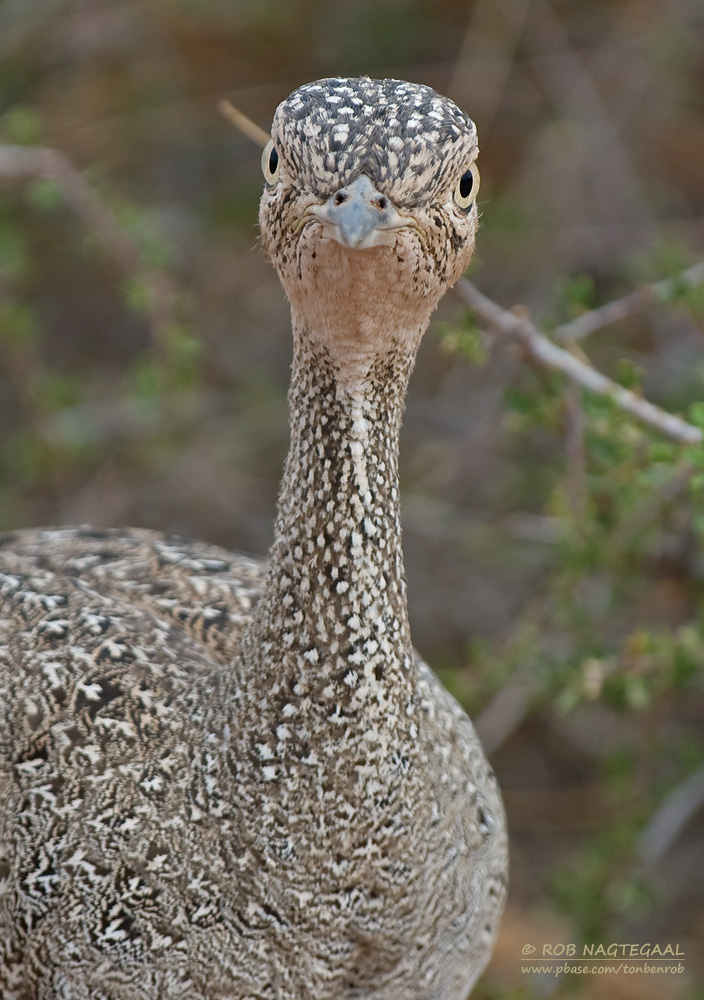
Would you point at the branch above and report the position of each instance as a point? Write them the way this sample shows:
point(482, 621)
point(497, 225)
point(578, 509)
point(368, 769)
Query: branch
point(629, 305)
point(240, 120)
point(675, 812)
point(551, 356)
point(38, 161)
point(506, 712)
point(657, 500)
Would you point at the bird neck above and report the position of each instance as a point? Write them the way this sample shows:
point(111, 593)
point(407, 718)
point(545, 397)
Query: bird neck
point(331, 632)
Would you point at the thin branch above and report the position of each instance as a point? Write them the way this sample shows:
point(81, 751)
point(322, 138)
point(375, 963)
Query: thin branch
point(240, 120)
point(506, 712)
point(629, 305)
point(658, 500)
point(551, 356)
point(576, 452)
point(486, 57)
point(675, 812)
point(38, 161)
point(20, 161)
point(575, 94)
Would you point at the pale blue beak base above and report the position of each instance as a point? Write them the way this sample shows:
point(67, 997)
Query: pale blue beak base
point(358, 214)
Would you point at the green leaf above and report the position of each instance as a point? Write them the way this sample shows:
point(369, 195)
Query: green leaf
point(628, 374)
point(22, 125)
point(44, 194)
point(147, 378)
point(578, 294)
point(465, 339)
point(18, 324)
point(138, 295)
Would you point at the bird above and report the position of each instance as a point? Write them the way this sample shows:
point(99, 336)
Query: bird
point(223, 777)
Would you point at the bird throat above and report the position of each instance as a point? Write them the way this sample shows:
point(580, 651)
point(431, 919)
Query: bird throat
point(330, 634)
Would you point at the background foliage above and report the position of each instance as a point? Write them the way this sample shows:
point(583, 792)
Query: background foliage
point(553, 545)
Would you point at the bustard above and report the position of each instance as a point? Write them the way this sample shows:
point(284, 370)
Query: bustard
point(222, 780)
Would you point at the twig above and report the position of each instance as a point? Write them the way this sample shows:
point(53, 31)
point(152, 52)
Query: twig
point(506, 711)
point(573, 92)
point(623, 56)
point(671, 819)
point(575, 448)
point(243, 123)
point(660, 498)
point(39, 161)
point(486, 57)
point(20, 161)
point(629, 305)
point(551, 356)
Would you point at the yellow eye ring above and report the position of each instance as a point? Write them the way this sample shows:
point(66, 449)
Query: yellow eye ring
point(270, 164)
point(465, 193)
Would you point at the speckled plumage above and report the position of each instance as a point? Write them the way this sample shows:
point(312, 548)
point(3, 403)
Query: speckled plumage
point(220, 780)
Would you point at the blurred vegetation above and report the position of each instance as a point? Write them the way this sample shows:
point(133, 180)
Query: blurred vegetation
point(553, 545)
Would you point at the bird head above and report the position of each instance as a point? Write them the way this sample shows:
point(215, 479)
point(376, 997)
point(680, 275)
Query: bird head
point(369, 209)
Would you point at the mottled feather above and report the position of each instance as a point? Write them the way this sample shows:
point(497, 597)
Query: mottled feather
point(225, 779)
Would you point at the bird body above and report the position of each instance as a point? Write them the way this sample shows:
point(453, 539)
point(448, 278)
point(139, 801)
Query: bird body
point(221, 779)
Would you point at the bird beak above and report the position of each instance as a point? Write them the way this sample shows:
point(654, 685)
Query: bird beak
point(359, 216)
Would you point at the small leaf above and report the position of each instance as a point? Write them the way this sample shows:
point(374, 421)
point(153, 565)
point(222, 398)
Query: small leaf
point(696, 414)
point(578, 294)
point(138, 295)
point(44, 194)
point(22, 125)
point(628, 374)
point(18, 324)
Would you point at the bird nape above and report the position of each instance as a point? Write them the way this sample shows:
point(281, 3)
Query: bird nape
point(221, 778)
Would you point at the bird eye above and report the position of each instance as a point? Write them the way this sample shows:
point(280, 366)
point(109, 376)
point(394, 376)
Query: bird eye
point(465, 193)
point(270, 164)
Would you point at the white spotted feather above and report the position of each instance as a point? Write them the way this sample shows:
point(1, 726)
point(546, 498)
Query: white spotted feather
point(225, 779)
